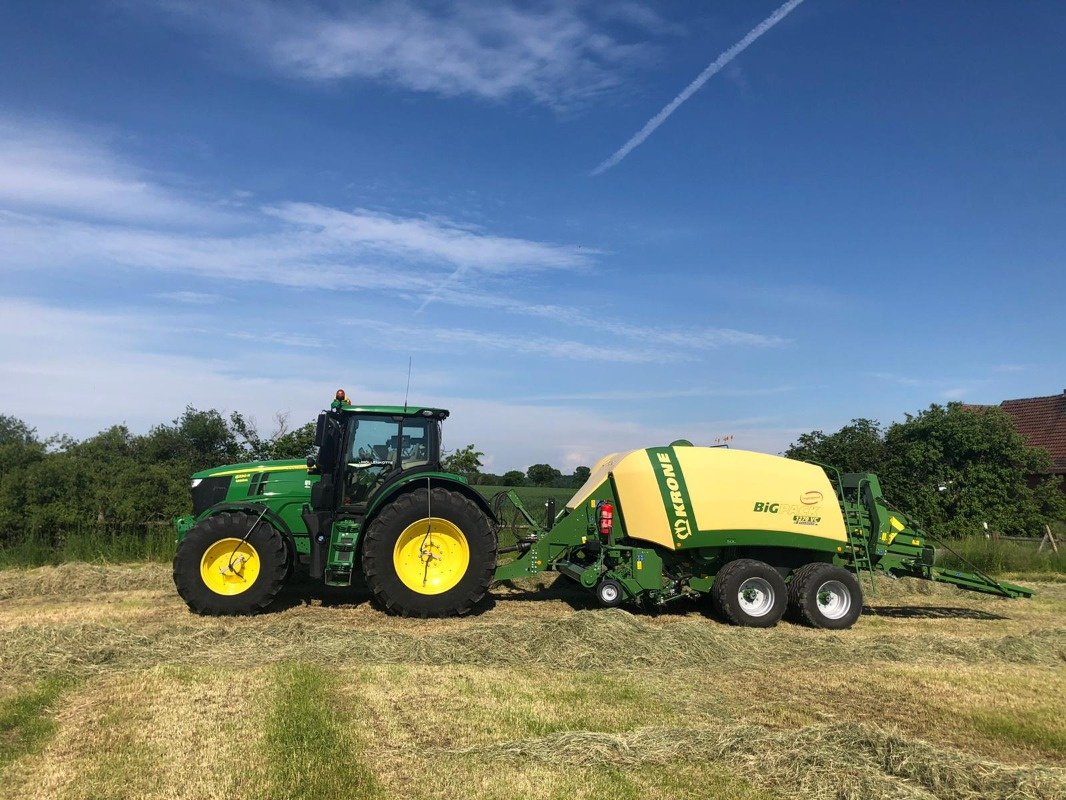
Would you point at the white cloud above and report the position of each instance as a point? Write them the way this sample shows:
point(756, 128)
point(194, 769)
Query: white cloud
point(45, 169)
point(945, 388)
point(556, 53)
point(428, 241)
point(77, 372)
point(192, 298)
point(688, 338)
point(450, 339)
point(131, 222)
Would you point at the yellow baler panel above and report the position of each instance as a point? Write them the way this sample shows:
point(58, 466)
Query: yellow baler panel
point(643, 508)
point(727, 486)
point(596, 477)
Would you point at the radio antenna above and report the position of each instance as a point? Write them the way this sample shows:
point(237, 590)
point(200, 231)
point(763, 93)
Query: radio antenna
point(407, 393)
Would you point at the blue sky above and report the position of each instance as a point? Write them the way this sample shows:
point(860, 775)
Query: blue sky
point(244, 205)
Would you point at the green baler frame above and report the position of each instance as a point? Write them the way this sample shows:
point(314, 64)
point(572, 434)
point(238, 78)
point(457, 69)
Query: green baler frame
point(881, 539)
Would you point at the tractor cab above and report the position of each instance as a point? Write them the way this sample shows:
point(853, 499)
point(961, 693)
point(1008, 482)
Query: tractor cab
point(364, 452)
point(363, 449)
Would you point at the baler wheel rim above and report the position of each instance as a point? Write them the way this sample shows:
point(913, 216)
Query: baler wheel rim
point(756, 596)
point(609, 593)
point(834, 599)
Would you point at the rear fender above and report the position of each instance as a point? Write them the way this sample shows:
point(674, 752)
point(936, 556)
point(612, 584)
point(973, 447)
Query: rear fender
point(434, 481)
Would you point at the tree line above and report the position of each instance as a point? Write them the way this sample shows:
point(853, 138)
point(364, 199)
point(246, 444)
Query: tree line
point(466, 461)
point(953, 467)
point(57, 484)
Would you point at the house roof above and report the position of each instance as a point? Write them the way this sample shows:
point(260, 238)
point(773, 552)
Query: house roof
point(1042, 421)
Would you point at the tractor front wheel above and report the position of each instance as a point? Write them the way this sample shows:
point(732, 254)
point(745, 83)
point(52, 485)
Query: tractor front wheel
point(429, 554)
point(230, 564)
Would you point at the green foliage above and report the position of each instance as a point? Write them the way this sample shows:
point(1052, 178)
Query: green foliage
point(953, 467)
point(108, 496)
point(581, 474)
point(514, 477)
point(996, 556)
point(543, 474)
point(465, 461)
point(857, 447)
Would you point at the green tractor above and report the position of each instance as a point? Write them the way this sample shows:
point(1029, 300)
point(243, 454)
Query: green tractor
point(374, 499)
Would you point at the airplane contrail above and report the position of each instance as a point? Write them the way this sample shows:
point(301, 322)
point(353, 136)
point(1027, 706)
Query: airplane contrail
point(712, 69)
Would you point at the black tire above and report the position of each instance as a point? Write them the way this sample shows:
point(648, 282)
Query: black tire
point(269, 547)
point(610, 593)
point(795, 582)
point(379, 567)
point(770, 595)
point(827, 597)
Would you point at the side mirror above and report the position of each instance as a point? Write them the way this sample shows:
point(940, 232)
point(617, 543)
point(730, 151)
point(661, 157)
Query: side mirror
point(320, 430)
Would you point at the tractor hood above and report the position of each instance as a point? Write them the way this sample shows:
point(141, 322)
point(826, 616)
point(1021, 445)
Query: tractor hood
point(247, 468)
point(253, 481)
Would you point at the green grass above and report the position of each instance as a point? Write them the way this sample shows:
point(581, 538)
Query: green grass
point(309, 751)
point(93, 545)
point(1035, 728)
point(25, 722)
point(998, 556)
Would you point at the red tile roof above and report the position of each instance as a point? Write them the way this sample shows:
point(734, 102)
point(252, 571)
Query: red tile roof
point(1042, 421)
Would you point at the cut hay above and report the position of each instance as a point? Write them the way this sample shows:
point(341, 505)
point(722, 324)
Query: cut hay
point(851, 760)
point(590, 640)
point(76, 580)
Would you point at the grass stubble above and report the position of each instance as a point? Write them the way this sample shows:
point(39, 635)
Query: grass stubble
point(110, 689)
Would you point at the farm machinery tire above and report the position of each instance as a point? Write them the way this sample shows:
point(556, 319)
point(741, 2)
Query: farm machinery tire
point(749, 593)
point(429, 553)
point(825, 596)
point(230, 564)
point(796, 582)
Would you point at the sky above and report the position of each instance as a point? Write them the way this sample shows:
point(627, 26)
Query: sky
point(247, 205)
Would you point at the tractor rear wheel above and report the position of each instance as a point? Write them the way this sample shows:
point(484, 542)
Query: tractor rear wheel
point(749, 593)
point(230, 564)
point(826, 597)
point(429, 554)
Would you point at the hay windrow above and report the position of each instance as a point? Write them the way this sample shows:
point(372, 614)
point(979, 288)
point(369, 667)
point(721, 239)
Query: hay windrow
point(850, 760)
point(76, 580)
point(597, 640)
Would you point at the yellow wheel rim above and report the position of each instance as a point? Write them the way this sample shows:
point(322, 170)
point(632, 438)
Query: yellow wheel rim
point(431, 556)
point(229, 566)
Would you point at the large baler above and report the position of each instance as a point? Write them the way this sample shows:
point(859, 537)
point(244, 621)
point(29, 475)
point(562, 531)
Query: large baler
point(761, 534)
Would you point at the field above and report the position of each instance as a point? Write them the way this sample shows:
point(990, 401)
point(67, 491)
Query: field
point(109, 688)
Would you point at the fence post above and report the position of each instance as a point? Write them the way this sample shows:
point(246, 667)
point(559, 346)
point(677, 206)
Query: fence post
point(1049, 538)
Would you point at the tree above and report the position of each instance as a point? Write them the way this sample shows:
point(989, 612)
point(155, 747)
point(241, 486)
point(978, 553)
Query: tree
point(957, 467)
point(581, 474)
point(857, 447)
point(542, 474)
point(514, 477)
point(465, 461)
point(953, 467)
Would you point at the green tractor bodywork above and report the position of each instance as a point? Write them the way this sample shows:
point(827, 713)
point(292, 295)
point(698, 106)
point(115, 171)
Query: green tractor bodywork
point(755, 532)
point(368, 456)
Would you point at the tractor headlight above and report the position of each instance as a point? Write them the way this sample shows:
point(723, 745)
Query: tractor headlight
point(196, 482)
